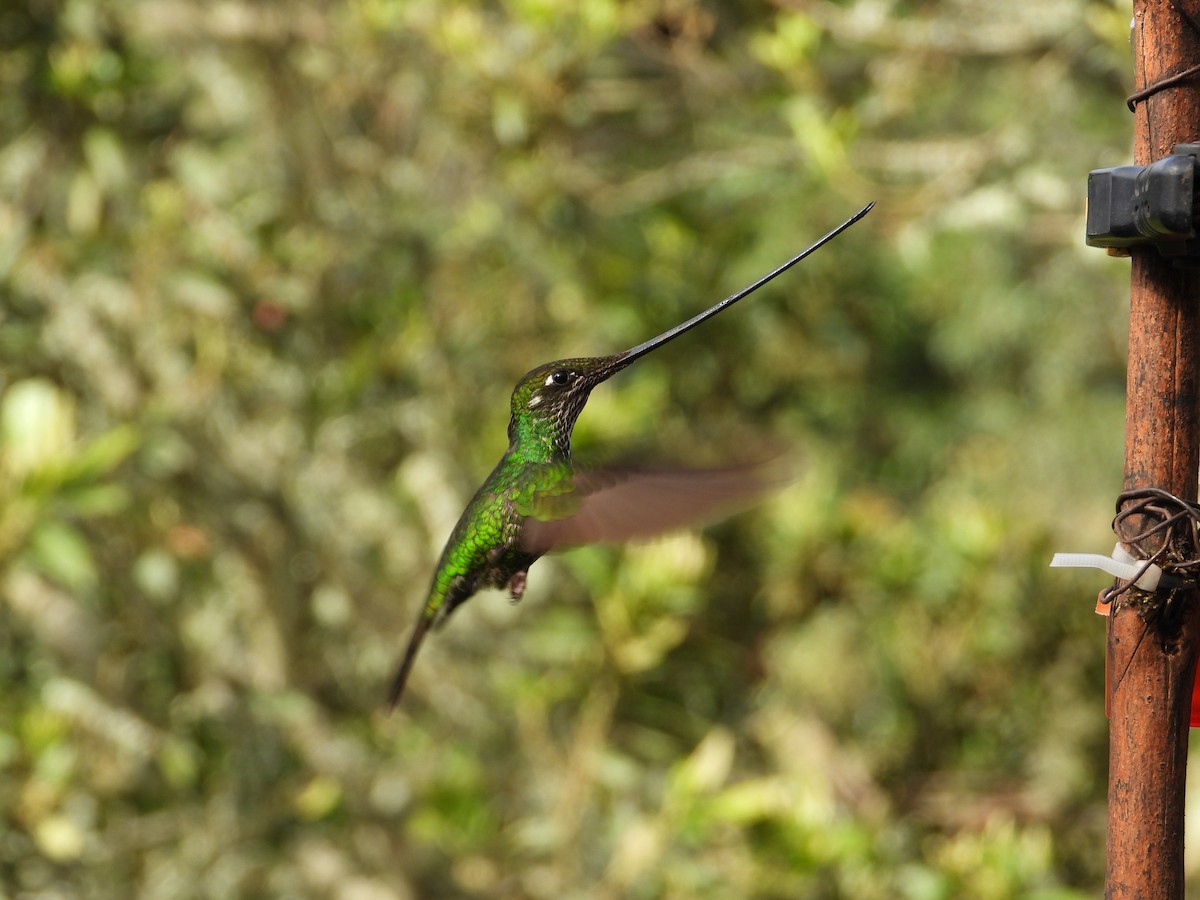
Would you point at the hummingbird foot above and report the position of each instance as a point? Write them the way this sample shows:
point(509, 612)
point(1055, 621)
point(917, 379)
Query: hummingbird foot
point(516, 586)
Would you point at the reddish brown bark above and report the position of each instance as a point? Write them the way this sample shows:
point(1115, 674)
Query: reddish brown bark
point(1152, 669)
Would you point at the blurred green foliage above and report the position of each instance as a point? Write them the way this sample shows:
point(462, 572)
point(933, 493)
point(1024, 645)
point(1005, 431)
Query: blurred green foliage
point(268, 272)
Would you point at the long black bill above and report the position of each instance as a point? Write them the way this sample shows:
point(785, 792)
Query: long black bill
point(621, 360)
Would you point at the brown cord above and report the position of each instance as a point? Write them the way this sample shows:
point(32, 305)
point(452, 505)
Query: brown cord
point(1171, 80)
point(1170, 524)
point(1162, 84)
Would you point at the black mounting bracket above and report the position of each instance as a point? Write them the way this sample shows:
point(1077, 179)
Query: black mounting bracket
point(1155, 205)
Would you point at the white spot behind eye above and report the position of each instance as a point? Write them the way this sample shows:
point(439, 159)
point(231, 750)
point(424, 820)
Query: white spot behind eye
point(549, 380)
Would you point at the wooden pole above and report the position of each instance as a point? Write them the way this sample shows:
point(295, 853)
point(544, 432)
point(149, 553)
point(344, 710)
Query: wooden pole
point(1152, 669)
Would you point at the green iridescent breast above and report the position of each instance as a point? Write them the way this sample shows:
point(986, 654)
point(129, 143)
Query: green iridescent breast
point(484, 548)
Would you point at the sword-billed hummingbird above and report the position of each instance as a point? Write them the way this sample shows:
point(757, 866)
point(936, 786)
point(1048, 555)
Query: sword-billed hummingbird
point(536, 500)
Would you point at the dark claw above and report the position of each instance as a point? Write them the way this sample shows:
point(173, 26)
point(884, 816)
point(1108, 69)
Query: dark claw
point(516, 586)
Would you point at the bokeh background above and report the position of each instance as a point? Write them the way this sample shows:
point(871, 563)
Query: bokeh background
point(268, 272)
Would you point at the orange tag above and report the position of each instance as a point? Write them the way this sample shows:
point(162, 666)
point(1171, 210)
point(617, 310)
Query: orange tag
point(1102, 609)
point(1195, 720)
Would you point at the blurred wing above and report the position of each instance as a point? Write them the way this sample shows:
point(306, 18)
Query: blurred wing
point(607, 506)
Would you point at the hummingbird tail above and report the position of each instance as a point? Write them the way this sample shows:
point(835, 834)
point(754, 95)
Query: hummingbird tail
point(414, 644)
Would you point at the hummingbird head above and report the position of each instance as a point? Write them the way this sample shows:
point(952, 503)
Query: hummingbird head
point(547, 400)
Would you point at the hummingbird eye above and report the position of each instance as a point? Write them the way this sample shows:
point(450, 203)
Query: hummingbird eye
point(558, 376)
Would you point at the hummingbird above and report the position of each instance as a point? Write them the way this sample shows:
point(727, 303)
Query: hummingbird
point(536, 500)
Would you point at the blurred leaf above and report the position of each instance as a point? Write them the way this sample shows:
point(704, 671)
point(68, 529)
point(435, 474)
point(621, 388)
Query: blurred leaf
point(104, 453)
point(318, 798)
point(37, 426)
point(59, 838)
point(180, 763)
point(63, 553)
